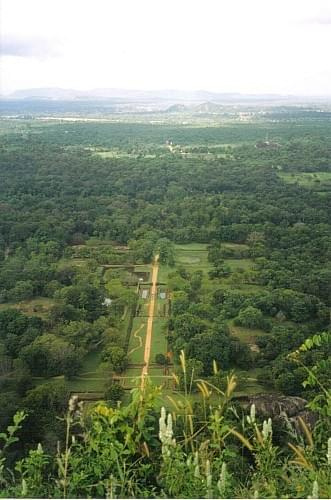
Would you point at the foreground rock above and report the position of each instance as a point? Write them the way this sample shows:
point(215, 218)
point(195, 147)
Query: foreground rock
point(280, 408)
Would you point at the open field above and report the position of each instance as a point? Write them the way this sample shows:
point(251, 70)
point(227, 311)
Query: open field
point(159, 343)
point(115, 154)
point(246, 335)
point(86, 385)
point(244, 288)
point(39, 306)
point(91, 363)
point(191, 247)
point(312, 180)
point(235, 246)
point(236, 264)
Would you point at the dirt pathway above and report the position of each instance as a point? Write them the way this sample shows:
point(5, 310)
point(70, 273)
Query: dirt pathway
point(151, 308)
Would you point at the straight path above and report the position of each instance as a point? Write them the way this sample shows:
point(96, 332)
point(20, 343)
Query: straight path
point(151, 308)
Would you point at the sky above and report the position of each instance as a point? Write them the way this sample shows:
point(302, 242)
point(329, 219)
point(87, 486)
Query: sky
point(247, 46)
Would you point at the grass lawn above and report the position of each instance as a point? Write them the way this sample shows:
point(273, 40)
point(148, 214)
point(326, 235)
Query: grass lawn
point(157, 379)
point(313, 180)
point(137, 340)
point(193, 260)
point(163, 273)
point(192, 257)
point(250, 388)
point(246, 335)
point(94, 242)
point(235, 246)
point(189, 247)
point(131, 377)
point(79, 384)
point(238, 287)
point(161, 305)
point(143, 268)
point(235, 264)
point(159, 342)
point(89, 378)
point(115, 154)
point(188, 259)
point(91, 363)
point(34, 307)
point(132, 372)
point(86, 384)
point(143, 303)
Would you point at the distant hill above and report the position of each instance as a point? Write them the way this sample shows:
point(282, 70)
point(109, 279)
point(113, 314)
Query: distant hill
point(177, 108)
point(105, 93)
point(204, 107)
point(46, 99)
point(45, 93)
point(201, 96)
point(208, 107)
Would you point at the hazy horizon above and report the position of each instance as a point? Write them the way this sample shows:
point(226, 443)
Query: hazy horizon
point(237, 46)
point(92, 92)
point(165, 90)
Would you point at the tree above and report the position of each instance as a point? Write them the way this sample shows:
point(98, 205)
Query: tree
point(85, 296)
point(161, 359)
point(164, 247)
point(113, 393)
point(63, 313)
point(78, 333)
point(240, 354)
point(214, 252)
point(218, 296)
point(186, 326)
point(251, 317)
point(117, 357)
point(9, 404)
point(6, 363)
point(22, 290)
point(72, 362)
point(18, 330)
point(142, 250)
point(176, 282)
point(44, 404)
point(50, 355)
point(196, 281)
point(179, 303)
point(66, 274)
point(220, 270)
point(211, 346)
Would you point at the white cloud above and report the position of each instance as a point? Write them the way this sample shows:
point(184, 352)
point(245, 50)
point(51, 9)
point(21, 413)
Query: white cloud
point(222, 45)
point(29, 46)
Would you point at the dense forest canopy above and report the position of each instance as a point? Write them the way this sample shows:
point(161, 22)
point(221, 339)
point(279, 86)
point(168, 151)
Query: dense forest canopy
point(83, 203)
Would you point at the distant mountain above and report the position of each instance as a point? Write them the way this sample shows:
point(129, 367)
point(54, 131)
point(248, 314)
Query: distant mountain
point(208, 107)
point(105, 93)
point(177, 108)
point(168, 100)
point(111, 93)
point(204, 107)
point(45, 93)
